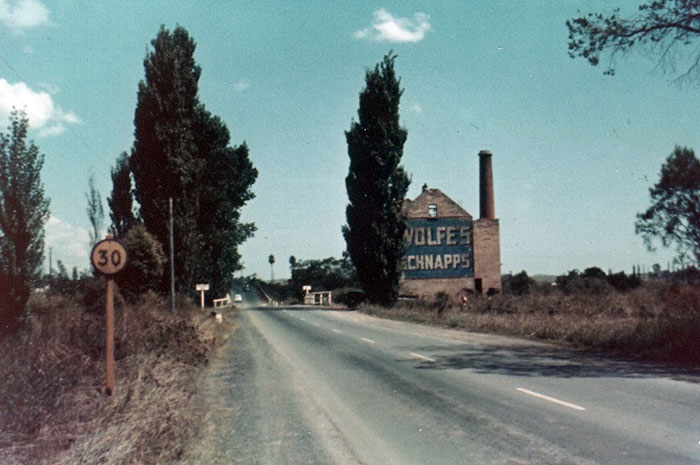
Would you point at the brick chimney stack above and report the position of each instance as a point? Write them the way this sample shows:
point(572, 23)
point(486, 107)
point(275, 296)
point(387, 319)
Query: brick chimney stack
point(487, 209)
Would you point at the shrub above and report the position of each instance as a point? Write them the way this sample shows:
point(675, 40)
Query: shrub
point(593, 272)
point(588, 283)
point(519, 284)
point(351, 297)
point(144, 270)
point(442, 302)
point(594, 281)
point(622, 282)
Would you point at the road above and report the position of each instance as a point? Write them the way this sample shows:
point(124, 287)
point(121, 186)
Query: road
point(248, 292)
point(329, 387)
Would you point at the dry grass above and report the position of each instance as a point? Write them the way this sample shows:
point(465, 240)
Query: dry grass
point(52, 405)
point(654, 322)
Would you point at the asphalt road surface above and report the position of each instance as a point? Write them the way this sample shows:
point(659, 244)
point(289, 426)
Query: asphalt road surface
point(299, 386)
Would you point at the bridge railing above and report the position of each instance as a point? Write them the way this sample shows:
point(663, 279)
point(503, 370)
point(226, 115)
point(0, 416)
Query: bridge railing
point(223, 303)
point(318, 298)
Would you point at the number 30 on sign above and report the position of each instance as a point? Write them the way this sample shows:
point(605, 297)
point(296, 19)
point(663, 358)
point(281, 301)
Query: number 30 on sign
point(109, 256)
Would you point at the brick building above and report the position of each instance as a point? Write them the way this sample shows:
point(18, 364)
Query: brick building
point(447, 250)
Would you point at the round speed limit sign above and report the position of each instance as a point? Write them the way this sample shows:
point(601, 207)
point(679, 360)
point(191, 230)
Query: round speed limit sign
point(109, 256)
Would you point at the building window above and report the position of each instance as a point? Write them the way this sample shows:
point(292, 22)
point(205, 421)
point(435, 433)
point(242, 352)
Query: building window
point(432, 210)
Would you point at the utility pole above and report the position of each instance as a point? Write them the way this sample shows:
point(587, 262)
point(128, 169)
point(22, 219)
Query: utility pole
point(172, 257)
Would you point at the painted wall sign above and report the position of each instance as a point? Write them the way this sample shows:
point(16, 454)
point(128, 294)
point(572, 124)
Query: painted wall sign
point(439, 248)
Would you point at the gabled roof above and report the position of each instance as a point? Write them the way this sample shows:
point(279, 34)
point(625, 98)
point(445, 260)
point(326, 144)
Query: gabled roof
point(447, 208)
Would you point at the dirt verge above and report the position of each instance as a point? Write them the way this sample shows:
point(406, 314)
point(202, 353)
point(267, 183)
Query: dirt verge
point(52, 403)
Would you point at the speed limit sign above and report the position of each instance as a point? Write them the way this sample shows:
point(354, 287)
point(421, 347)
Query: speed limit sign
point(108, 256)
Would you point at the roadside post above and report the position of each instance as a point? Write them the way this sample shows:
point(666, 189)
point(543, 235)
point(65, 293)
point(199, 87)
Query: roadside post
point(307, 298)
point(202, 288)
point(109, 258)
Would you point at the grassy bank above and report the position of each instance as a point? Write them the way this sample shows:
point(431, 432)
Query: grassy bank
point(52, 405)
point(657, 321)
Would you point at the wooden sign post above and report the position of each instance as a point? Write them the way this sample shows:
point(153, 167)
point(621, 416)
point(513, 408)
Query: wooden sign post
point(109, 258)
point(202, 288)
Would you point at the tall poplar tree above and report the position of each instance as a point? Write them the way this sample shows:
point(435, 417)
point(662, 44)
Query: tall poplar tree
point(182, 151)
point(121, 202)
point(377, 184)
point(95, 212)
point(164, 159)
point(24, 210)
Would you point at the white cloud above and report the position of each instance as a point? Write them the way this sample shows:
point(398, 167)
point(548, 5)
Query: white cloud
point(50, 88)
point(43, 114)
point(52, 130)
point(387, 28)
point(416, 108)
point(241, 86)
point(70, 244)
point(19, 15)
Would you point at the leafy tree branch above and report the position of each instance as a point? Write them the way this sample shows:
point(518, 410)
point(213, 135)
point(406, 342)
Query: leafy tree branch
point(663, 27)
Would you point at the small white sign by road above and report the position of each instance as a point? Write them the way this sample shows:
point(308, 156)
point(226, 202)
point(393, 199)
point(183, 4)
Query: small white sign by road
point(202, 288)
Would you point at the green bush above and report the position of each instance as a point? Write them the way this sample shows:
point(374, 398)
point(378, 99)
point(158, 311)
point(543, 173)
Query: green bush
point(519, 284)
point(351, 297)
point(145, 266)
point(442, 302)
point(622, 282)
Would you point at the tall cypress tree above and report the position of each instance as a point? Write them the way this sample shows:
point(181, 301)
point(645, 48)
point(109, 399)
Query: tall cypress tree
point(377, 185)
point(164, 158)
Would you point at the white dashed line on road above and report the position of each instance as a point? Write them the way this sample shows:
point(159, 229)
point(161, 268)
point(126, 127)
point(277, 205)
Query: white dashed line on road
point(337, 331)
point(422, 357)
point(368, 341)
point(551, 399)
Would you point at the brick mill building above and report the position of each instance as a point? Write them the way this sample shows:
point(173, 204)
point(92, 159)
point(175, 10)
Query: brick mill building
point(449, 251)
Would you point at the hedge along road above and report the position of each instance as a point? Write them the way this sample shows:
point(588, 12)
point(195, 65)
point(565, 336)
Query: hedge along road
point(323, 387)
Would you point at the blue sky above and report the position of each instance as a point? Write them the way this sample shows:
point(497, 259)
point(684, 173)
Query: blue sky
point(575, 152)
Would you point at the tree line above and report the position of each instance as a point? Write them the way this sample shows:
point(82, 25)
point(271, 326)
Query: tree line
point(182, 173)
point(183, 152)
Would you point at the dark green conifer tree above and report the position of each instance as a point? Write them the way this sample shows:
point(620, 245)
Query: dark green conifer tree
point(181, 151)
point(164, 159)
point(227, 178)
point(377, 184)
point(121, 202)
